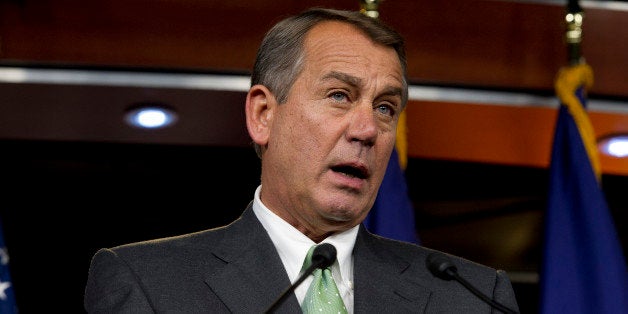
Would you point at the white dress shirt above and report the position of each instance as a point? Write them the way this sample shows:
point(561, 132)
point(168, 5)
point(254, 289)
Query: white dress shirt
point(292, 246)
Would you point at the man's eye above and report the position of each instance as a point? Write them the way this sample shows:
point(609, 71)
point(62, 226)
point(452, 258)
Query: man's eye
point(386, 109)
point(338, 96)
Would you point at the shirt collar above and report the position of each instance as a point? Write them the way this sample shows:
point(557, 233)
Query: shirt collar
point(292, 245)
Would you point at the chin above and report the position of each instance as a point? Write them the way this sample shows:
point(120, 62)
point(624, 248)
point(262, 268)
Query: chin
point(343, 208)
point(344, 215)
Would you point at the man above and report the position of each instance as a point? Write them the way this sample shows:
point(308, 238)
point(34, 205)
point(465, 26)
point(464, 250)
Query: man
point(326, 93)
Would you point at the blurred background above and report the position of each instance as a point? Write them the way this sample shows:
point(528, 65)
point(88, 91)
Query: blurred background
point(77, 176)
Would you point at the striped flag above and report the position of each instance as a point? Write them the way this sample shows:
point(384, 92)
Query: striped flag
point(583, 270)
point(392, 215)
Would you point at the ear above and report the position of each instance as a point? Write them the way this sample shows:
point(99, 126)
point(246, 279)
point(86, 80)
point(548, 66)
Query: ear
point(260, 106)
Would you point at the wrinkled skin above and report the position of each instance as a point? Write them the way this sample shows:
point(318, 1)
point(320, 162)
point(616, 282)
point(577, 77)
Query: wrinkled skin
point(326, 149)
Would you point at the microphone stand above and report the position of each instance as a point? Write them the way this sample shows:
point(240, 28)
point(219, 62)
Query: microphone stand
point(442, 267)
point(293, 286)
point(479, 294)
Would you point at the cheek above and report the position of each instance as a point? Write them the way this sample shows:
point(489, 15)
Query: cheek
point(385, 154)
point(296, 139)
point(307, 148)
point(308, 132)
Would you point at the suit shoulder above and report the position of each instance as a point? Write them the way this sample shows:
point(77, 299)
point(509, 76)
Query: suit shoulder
point(168, 246)
point(417, 254)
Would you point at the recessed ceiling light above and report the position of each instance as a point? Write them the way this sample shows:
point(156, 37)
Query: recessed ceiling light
point(616, 145)
point(150, 116)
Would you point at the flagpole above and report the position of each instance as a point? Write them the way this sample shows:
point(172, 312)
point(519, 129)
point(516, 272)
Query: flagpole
point(369, 8)
point(574, 81)
point(573, 36)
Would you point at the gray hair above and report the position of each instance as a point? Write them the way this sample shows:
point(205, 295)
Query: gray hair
point(280, 56)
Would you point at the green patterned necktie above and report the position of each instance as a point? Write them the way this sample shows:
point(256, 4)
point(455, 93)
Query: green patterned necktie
point(322, 296)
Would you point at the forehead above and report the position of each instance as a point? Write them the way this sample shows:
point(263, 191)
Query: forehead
point(341, 40)
point(339, 44)
point(335, 33)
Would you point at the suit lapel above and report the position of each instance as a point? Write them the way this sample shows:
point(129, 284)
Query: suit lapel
point(382, 284)
point(252, 276)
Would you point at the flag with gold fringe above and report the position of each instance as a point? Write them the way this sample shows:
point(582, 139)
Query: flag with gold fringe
point(392, 215)
point(583, 269)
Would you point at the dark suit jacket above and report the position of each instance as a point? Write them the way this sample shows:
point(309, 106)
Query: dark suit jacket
point(237, 269)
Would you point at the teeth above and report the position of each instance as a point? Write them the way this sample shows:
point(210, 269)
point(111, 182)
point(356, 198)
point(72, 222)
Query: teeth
point(348, 174)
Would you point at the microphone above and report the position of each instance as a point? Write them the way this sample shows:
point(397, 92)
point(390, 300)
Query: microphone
point(323, 256)
point(442, 267)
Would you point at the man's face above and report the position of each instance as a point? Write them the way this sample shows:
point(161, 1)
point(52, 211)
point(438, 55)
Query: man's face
point(329, 144)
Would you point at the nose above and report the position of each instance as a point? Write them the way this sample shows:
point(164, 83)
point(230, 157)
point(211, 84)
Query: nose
point(362, 125)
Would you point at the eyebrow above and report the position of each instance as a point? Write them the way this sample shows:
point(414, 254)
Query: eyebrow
point(356, 82)
point(344, 77)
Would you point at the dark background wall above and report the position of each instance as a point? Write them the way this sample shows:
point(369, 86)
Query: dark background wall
point(63, 201)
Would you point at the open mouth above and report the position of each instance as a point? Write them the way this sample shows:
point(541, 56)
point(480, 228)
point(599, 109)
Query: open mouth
point(351, 171)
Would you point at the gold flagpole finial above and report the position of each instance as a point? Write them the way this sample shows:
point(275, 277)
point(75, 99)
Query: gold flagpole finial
point(574, 27)
point(369, 8)
point(573, 35)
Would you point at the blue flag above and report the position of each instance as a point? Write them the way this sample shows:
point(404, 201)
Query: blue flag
point(392, 215)
point(7, 298)
point(583, 270)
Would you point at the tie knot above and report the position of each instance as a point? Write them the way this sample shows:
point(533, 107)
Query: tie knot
point(307, 262)
point(322, 296)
